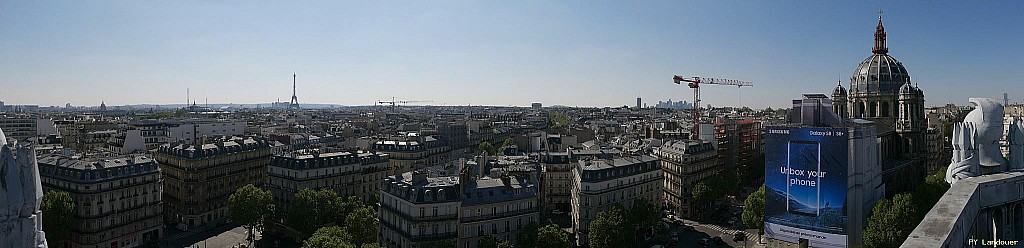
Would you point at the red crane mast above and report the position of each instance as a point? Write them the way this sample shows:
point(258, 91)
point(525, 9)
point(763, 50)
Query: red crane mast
point(694, 83)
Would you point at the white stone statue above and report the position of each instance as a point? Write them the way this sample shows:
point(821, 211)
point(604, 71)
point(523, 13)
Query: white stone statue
point(1015, 138)
point(976, 142)
point(21, 223)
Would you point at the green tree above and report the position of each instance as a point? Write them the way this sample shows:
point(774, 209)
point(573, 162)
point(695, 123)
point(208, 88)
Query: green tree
point(641, 218)
point(769, 110)
point(527, 237)
point(251, 206)
point(491, 241)
point(486, 146)
point(58, 216)
point(701, 193)
point(362, 224)
point(551, 236)
point(753, 210)
point(347, 206)
point(891, 221)
point(508, 142)
point(606, 230)
point(314, 208)
point(329, 237)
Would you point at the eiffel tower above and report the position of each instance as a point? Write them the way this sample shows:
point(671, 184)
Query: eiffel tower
point(295, 100)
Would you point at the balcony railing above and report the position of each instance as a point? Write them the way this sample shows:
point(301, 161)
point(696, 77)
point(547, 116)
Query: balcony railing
point(420, 237)
point(499, 215)
point(420, 218)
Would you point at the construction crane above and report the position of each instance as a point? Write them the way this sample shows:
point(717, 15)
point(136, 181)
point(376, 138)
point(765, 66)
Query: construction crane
point(393, 102)
point(694, 83)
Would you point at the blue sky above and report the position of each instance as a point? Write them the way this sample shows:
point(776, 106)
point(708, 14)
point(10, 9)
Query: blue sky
point(575, 53)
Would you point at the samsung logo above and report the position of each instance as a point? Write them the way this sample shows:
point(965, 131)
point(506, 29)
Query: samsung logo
point(778, 131)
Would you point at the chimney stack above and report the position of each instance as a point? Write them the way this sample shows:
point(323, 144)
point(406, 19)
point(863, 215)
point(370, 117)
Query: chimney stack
point(481, 164)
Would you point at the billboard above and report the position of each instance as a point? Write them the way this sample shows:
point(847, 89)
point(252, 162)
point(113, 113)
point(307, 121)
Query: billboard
point(805, 185)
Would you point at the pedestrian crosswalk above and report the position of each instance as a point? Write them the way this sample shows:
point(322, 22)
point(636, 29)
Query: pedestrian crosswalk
point(720, 229)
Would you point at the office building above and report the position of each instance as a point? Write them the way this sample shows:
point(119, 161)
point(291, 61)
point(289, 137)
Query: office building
point(18, 127)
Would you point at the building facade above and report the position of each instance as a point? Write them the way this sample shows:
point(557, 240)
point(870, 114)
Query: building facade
point(684, 163)
point(600, 184)
point(18, 127)
point(418, 211)
point(414, 153)
point(199, 178)
point(118, 199)
point(499, 205)
point(557, 182)
point(348, 173)
point(739, 142)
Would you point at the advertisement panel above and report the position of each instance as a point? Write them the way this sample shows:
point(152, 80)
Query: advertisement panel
point(805, 185)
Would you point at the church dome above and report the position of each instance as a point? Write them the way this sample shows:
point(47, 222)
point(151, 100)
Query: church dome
point(839, 91)
point(879, 74)
point(907, 89)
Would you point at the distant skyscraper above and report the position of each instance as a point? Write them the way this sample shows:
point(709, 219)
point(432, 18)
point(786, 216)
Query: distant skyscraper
point(638, 102)
point(295, 100)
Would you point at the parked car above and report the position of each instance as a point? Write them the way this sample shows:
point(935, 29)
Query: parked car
point(739, 236)
point(718, 240)
point(704, 241)
point(689, 228)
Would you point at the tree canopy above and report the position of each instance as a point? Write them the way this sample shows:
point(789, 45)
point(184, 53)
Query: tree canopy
point(605, 231)
point(491, 241)
point(486, 146)
point(891, 221)
point(551, 236)
point(58, 215)
point(641, 218)
point(753, 210)
point(508, 142)
point(251, 206)
point(329, 237)
point(527, 237)
point(314, 208)
point(362, 224)
point(701, 192)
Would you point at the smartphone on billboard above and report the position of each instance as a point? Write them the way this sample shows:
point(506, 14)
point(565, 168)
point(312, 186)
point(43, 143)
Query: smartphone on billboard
point(804, 193)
